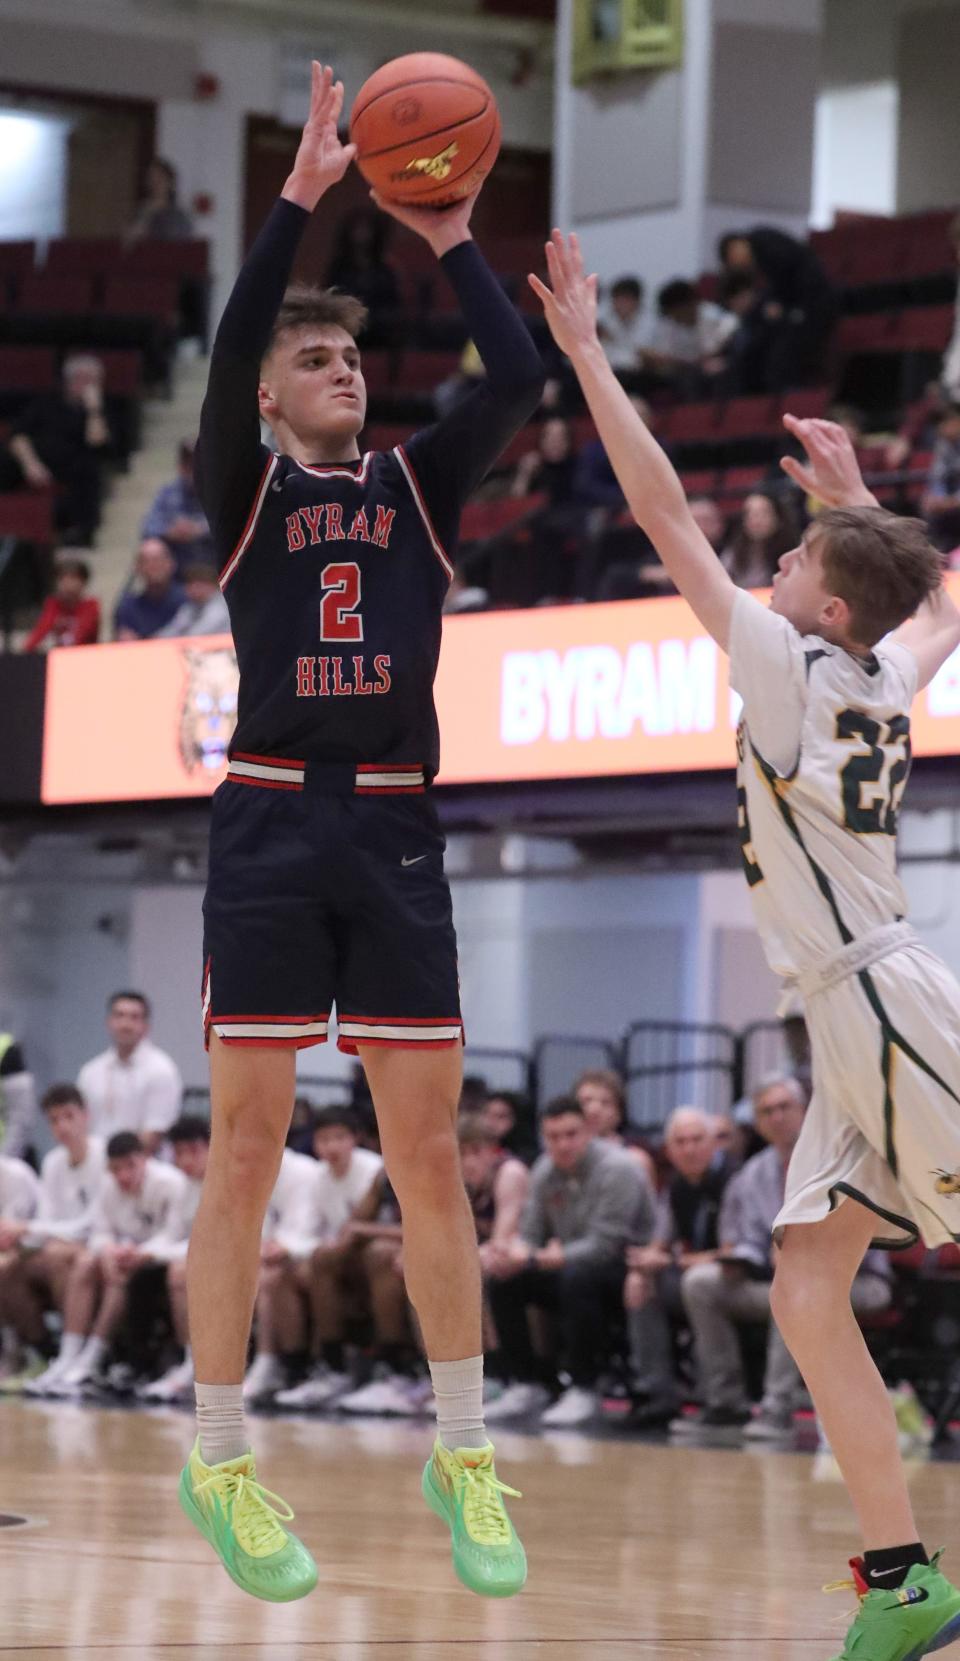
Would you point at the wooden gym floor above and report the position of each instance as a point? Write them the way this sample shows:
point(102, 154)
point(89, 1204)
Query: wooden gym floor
point(637, 1550)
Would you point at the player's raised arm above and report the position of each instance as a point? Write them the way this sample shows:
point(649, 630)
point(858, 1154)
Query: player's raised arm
point(455, 455)
point(230, 457)
point(647, 478)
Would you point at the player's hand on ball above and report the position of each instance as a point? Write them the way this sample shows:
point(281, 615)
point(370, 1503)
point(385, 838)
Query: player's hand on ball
point(321, 159)
point(832, 472)
point(570, 303)
point(443, 228)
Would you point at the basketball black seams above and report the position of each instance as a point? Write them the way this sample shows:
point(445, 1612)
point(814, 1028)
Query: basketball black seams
point(421, 138)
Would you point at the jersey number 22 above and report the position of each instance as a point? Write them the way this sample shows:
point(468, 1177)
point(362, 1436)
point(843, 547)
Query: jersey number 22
point(873, 780)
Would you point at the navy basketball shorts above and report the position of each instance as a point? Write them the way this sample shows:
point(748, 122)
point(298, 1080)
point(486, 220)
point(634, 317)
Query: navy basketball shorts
point(326, 886)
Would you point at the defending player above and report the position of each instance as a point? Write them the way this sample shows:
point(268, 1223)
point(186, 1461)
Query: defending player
point(326, 859)
point(824, 752)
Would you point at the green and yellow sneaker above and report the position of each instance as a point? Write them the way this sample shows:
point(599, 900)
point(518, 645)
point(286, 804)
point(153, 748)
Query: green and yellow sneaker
point(231, 1510)
point(921, 1616)
point(463, 1490)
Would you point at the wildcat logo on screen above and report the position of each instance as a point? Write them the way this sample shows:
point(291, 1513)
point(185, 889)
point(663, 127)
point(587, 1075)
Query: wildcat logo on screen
point(208, 713)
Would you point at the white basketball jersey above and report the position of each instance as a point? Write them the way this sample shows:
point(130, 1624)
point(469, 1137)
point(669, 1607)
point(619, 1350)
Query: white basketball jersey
point(823, 756)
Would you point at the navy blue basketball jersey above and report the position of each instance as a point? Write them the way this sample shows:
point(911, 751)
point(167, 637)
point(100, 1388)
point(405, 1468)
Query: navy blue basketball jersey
point(335, 575)
point(335, 591)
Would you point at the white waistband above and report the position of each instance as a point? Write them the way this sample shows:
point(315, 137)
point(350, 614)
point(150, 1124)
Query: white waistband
point(860, 954)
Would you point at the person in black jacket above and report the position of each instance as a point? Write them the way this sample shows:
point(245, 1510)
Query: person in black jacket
point(798, 306)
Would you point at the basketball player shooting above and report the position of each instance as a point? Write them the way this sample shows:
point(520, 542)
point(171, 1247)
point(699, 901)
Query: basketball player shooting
point(858, 622)
point(326, 858)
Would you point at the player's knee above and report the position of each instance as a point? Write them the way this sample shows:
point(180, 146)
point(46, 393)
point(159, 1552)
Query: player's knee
point(796, 1299)
point(86, 1267)
point(379, 1255)
point(428, 1172)
point(701, 1285)
point(247, 1153)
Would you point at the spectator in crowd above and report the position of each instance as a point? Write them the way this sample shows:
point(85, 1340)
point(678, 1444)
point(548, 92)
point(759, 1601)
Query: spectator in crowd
point(523, 573)
point(603, 1098)
point(18, 1098)
point(685, 1234)
point(142, 613)
point(950, 373)
point(605, 541)
point(159, 215)
point(585, 1202)
point(359, 266)
point(394, 1387)
point(509, 1116)
point(132, 1085)
point(799, 303)
point(176, 516)
point(623, 327)
point(320, 1278)
point(19, 1197)
point(734, 1289)
point(496, 1184)
point(40, 1275)
point(137, 1200)
point(941, 502)
point(302, 1119)
point(689, 340)
point(638, 579)
point(60, 443)
point(764, 534)
point(189, 1137)
point(70, 616)
point(204, 611)
point(286, 1239)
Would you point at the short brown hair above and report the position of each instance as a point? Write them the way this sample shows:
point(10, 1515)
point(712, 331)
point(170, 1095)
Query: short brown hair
point(305, 306)
point(473, 1133)
point(884, 567)
point(608, 1080)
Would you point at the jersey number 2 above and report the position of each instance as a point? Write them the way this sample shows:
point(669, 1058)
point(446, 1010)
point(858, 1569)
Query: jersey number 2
point(339, 609)
point(873, 781)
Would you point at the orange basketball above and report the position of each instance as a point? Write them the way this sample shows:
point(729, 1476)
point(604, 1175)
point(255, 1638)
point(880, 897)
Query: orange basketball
point(427, 129)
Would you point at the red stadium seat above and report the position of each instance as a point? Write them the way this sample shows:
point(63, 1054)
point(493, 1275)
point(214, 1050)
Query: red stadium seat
point(750, 418)
point(807, 403)
point(927, 329)
point(122, 373)
point(27, 369)
point(44, 292)
point(700, 483)
point(186, 257)
point(484, 519)
point(856, 335)
point(17, 259)
point(690, 424)
point(28, 515)
point(83, 256)
point(155, 297)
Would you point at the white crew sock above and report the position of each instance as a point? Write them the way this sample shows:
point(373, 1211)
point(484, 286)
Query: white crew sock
point(93, 1352)
point(458, 1387)
point(220, 1422)
point(71, 1346)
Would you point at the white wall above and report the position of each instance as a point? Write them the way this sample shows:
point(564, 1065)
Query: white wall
point(33, 174)
point(855, 151)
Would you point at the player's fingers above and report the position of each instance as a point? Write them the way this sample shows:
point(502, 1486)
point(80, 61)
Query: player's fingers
point(540, 289)
point(337, 104)
point(794, 425)
point(555, 268)
point(559, 246)
point(798, 473)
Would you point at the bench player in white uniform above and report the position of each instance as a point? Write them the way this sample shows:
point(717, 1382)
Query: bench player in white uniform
point(859, 621)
